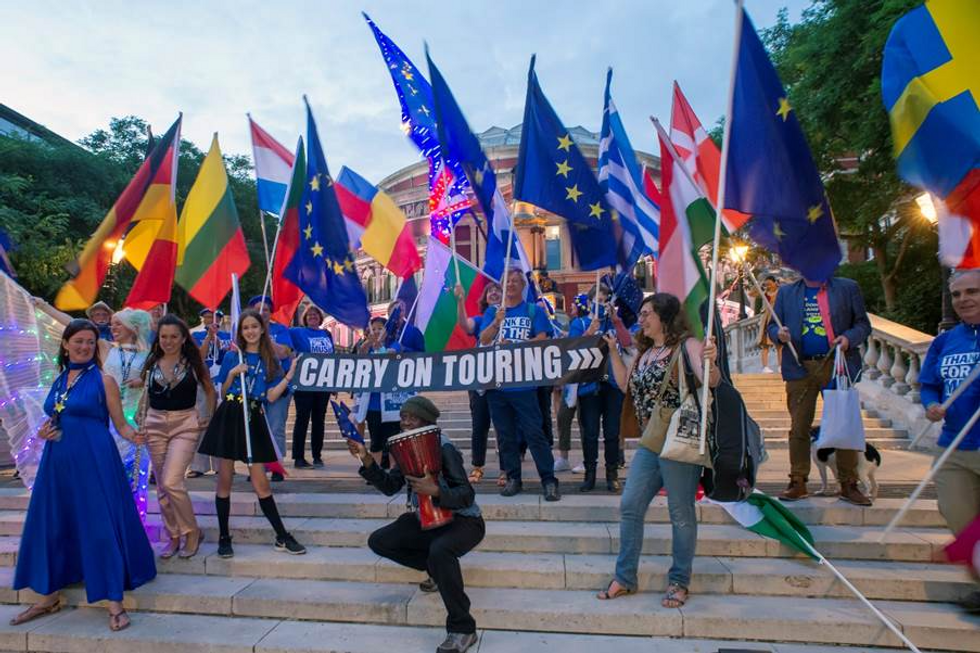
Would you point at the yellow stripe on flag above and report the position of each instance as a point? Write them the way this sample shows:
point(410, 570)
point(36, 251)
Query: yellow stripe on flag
point(208, 189)
point(381, 234)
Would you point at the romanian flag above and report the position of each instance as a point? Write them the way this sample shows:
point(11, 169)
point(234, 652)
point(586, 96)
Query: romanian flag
point(376, 221)
point(138, 215)
point(286, 296)
point(210, 243)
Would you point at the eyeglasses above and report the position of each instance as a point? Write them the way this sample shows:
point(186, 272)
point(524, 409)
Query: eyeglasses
point(645, 314)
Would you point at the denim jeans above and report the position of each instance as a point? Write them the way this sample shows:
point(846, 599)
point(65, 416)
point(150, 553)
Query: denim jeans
point(516, 414)
point(647, 475)
point(601, 408)
point(276, 413)
point(480, 413)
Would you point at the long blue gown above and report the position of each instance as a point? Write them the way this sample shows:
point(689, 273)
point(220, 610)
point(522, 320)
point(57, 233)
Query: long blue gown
point(82, 523)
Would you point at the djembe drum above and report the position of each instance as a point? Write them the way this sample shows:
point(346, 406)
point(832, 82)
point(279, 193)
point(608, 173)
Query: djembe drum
point(415, 452)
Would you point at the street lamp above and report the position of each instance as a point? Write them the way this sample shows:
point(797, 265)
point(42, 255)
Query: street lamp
point(737, 253)
point(927, 208)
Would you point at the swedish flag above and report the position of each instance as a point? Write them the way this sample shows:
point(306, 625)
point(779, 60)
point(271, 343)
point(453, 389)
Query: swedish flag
point(930, 84)
point(552, 174)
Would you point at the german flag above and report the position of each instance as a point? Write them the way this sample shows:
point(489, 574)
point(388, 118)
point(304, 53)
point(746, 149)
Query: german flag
point(155, 280)
point(137, 216)
point(210, 242)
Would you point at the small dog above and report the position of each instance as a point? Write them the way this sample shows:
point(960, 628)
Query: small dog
point(867, 464)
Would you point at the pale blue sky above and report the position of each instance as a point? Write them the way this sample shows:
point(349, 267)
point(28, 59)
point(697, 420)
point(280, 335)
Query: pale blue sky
point(72, 66)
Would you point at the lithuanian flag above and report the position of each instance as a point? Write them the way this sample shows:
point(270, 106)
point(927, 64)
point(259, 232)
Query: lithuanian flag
point(137, 216)
point(210, 243)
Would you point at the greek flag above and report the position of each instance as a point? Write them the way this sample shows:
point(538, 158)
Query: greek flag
point(620, 180)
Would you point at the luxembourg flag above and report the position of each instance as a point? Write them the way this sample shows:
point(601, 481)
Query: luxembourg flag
point(273, 166)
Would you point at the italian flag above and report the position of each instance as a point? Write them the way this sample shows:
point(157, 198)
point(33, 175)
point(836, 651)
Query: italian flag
point(436, 309)
point(762, 514)
point(683, 212)
point(702, 158)
point(210, 243)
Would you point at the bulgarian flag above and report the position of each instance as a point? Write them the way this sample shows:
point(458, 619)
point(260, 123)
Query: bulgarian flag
point(701, 156)
point(435, 314)
point(210, 243)
point(684, 215)
point(762, 514)
point(286, 295)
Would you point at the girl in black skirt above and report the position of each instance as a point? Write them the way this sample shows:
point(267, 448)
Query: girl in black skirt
point(225, 437)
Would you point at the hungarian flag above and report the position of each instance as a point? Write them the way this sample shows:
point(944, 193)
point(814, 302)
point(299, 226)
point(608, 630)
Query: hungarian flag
point(683, 212)
point(210, 243)
point(701, 156)
point(376, 224)
point(286, 296)
point(436, 315)
point(765, 516)
point(138, 215)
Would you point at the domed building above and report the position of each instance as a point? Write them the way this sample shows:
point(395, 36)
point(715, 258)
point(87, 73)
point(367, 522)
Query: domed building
point(544, 235)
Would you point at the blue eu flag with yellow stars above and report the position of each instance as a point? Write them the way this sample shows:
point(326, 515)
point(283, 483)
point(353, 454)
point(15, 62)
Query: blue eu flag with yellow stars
point(771, 174)
point(553, 175)
point(323, 265)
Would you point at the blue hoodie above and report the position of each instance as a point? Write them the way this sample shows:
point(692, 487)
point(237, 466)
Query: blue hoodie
point(951, 357)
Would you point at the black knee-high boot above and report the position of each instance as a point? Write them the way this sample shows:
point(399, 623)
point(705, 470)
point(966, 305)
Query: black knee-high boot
point(222, 506)
point(271, 512)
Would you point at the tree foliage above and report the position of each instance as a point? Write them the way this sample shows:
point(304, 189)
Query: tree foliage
point(830, 63)
point(53, 197)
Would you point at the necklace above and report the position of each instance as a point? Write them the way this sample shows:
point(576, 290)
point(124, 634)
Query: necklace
point(61, 394)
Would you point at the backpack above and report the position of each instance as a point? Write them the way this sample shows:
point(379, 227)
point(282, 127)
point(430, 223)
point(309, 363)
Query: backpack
point(735, 445)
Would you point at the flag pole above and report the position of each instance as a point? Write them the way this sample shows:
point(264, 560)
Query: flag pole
point(769, 308)
point(265, 242)
point(452, 244)
point(960, 389)
point(268, 272)
point(236, 308)
point(881, 617)
point(408, 316)
point(719, 207)
point(595, 299)
point(503, 279)
point(932, 472)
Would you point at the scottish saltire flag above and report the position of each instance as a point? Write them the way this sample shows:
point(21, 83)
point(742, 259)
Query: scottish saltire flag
point(553, 175)
point(273, 167)
point(459, 143)
point(771, 174)
point(323, 265)
point(621, 181)
point(930, 84)
point(419, 124)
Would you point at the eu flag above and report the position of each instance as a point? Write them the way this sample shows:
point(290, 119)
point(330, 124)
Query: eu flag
point(771, 174)
point(552, 174)
point(323, 266)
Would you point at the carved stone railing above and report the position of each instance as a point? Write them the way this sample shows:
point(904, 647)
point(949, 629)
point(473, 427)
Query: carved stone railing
point(892, 356)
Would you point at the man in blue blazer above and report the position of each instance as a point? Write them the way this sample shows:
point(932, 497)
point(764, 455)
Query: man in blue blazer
point(818, 316)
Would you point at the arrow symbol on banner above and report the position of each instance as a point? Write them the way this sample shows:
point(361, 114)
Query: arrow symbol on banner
point(576, 359)
point(586, 359)
point(598, 357)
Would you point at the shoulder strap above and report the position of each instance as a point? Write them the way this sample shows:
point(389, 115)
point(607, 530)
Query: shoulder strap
point(670, 368)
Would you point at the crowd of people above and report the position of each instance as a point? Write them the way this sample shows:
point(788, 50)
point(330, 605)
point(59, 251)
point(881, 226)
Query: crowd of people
point(200, 400)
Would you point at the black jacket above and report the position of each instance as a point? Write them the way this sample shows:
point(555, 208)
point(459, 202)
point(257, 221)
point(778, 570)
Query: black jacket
point(455, 491)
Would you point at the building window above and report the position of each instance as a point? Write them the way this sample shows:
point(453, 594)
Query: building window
point(464, 246)
point(552, 245)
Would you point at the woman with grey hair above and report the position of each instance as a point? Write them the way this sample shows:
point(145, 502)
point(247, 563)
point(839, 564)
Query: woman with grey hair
point(123, 362)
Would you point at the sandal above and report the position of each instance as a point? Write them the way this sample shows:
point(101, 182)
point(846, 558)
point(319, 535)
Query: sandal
point(476, 475)
point(608, 595)
point(191, 544)
point(502, 479)
point(35, 611)
point(119, 621)
point(172, 548)
point(675, 597)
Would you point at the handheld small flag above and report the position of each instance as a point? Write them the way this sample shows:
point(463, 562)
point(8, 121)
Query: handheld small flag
point(347, 428)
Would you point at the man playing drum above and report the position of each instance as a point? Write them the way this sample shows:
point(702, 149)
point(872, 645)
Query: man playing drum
point(436, 550)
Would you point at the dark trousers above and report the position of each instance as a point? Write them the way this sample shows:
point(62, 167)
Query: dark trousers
point(517, 414)
point(437, 552)
point(480, 413)
point(566, 414)
point(601, 408)
point(310, 407)
point(380, 432)
point(544, 405)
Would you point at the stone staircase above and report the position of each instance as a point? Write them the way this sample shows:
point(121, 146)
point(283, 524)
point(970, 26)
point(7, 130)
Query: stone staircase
point(531, 581)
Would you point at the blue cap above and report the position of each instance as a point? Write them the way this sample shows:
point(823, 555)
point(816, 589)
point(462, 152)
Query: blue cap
point(204, 310)
point(261, 299)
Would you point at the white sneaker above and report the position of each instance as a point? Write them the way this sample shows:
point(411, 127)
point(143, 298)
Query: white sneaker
point(767, 370)
point(579, 469)
point(561, 465)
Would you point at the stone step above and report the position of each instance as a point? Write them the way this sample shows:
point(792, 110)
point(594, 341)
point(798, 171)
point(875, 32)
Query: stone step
point(264, 601)
point(878, 579)
point(83, 630)
point(574, 507)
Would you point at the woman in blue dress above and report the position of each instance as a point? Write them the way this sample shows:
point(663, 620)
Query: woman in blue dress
point(82, 523)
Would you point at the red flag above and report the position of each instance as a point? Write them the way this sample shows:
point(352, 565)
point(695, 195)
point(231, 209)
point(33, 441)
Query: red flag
point(286, 296)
